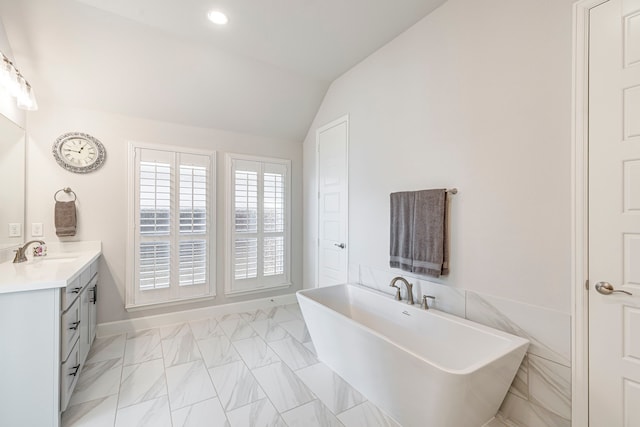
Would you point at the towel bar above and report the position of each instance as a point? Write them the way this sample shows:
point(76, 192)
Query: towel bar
point(452, 190)
point(66, 190)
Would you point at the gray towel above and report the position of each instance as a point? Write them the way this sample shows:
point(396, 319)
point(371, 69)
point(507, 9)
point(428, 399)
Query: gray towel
point(419, 227)
point(401, 250)
point(430, 243)
point(65, 219)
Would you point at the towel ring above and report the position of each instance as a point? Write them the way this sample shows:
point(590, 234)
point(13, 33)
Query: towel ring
point(66, 190)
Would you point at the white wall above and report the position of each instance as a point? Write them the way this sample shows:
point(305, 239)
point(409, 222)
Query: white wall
point(476, 96)
point(102, 195)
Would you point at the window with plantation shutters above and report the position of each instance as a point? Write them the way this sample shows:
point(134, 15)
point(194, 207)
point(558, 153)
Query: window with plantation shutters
point(171, 225)
point(258, 198)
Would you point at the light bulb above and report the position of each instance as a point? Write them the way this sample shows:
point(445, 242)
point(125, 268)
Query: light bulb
point(218, 17)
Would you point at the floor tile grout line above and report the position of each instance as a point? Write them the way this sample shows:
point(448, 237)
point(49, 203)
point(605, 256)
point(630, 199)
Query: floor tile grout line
point(266, 396)
point(250, 372)
point(217, 393)
point(147, 400)
point(166, 386)
point(342, 379)
point(268, 347)
point(310, 391)
point(124, 351)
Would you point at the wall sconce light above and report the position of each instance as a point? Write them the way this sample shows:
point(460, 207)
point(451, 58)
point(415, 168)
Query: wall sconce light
point(16, 85)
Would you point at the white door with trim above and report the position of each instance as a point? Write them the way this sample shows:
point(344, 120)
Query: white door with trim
point(333, 202)
point(614, 214)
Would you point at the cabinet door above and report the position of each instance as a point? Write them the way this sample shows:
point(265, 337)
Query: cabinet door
point(69, 372)
point(93, 301)
point(71, 324)
point(84, 323)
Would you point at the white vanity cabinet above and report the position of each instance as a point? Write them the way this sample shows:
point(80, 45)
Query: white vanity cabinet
point(47, 325)
point(77, 328)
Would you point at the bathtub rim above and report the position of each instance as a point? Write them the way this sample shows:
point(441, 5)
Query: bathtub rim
point(516, 342)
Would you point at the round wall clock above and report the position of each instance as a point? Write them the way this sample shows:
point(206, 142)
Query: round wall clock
point(79, 152)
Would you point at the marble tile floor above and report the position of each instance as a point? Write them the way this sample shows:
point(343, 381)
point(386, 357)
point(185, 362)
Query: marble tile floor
point(237, 370)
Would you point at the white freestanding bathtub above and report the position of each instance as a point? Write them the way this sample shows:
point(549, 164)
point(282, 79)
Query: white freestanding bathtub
point(423, 367)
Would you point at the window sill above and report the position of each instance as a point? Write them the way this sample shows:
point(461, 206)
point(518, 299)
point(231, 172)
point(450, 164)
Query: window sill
point(263, 289)
point(140, 307)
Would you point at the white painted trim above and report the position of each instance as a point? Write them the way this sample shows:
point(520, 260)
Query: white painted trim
point(141, 323)
point(580, 211)
point(343, 119)
point(141, 307)
point(261, 290)
point(130, 251)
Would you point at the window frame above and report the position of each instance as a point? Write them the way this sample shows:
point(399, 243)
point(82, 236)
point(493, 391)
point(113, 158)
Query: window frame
point(266, 284)
point(131, 304)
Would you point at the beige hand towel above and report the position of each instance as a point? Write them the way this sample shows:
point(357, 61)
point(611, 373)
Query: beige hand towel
point(65, 219)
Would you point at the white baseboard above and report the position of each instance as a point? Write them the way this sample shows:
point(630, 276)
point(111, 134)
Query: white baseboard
point(141, 323)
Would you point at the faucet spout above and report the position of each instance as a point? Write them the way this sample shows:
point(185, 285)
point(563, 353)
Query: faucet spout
point(407, 284)
point(21, 252)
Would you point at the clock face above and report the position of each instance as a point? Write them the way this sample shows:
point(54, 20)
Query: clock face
point(79, 152)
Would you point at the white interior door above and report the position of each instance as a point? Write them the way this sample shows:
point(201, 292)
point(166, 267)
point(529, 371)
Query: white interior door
point(333, 202)
point(614, 214)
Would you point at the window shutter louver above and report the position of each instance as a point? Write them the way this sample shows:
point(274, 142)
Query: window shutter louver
point(155, 261)
point(155, 220)
point(273, 223)
point(246, 224)
point(193, 221)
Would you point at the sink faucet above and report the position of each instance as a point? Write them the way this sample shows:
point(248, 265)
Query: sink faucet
point(21, 252)
point(407, 284)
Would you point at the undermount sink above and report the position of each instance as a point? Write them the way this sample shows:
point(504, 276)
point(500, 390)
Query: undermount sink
point(55, 259)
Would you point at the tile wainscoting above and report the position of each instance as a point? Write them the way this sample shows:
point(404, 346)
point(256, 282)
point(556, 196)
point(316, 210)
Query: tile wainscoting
point(540, 395)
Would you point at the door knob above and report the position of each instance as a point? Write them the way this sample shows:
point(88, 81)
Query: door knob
point(606, 288)
point(341, 245)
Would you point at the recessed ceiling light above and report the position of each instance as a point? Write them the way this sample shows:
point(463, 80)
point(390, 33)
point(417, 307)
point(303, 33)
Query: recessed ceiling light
point(218, 17)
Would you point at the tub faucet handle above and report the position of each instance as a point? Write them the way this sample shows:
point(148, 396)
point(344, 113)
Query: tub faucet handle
point(425, 302)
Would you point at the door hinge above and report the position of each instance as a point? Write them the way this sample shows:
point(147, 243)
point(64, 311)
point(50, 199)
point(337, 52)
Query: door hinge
point(586, 284)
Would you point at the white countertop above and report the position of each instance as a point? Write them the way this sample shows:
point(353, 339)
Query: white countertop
point(63, 262)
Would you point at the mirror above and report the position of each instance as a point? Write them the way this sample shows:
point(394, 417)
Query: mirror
point(12, 177)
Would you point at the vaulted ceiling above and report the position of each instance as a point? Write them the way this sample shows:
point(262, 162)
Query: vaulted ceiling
point(264, 73)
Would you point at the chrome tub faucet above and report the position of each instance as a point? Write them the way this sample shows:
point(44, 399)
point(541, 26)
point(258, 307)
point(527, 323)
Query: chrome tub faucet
point(409, 289)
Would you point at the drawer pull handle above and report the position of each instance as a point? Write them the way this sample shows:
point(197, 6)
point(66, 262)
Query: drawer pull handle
point(94, 290)
point(75, 372)
point(74, 325)
point(76, 290)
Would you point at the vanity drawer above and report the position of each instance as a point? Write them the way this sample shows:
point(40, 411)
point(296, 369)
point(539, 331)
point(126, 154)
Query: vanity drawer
point(70, 329)
point(69, 373)
point(71, 292)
